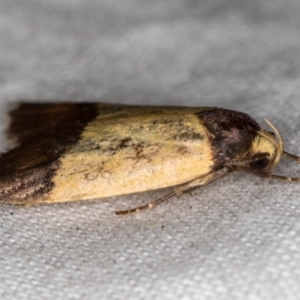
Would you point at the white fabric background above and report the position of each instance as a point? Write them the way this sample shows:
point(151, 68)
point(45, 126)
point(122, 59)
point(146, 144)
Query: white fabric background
point(236, 239)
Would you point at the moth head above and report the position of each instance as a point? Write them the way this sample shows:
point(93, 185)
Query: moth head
point(266, 149)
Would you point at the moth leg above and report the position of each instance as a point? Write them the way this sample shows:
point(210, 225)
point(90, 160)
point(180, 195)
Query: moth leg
point(148, 205)
point(266, 175)
point(202, 180)
point(292, 156)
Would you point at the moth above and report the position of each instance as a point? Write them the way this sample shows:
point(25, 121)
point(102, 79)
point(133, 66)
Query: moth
point(77, 151)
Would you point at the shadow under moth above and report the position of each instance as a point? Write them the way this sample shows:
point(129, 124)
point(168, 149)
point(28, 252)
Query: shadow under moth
point(77, 151)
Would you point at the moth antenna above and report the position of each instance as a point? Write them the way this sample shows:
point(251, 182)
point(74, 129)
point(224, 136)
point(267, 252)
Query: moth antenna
point(292, 156)
point(266, 175)
point(148, 205)
point(279, 143)
point(277, 134)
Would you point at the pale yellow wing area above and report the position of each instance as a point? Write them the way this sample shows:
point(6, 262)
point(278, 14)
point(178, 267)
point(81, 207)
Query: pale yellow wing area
point(131, 150)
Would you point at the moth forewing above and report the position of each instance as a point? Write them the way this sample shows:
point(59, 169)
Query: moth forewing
point(133, 153)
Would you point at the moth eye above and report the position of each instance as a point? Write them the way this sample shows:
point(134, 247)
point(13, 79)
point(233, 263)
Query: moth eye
point(260, 164)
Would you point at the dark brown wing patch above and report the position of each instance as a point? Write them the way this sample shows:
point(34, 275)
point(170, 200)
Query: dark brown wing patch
point(44, 132)
point(231, 133)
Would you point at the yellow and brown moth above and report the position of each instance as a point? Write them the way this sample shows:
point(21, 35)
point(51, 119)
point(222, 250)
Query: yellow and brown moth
point(68, 152)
